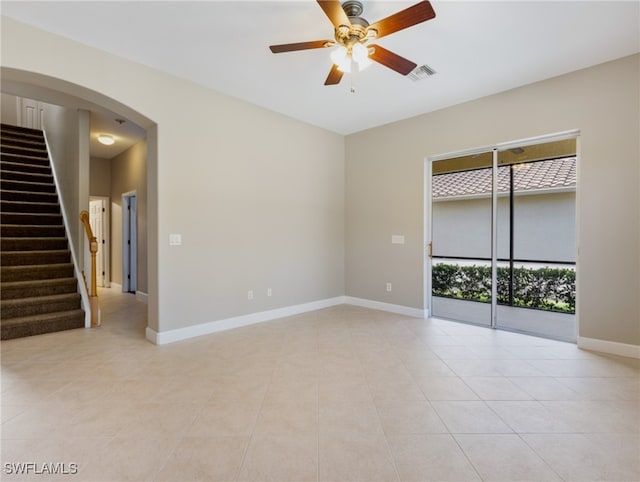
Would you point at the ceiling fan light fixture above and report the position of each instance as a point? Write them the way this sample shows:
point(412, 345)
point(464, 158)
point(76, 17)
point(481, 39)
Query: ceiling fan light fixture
point(106, 139)
point(352, 32)
point(360, 54)
point(339, 55)
point(345, 65)
point(342, 59)
point(364, 63)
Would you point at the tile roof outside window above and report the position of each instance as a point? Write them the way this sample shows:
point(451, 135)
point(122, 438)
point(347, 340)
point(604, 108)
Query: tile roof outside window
point(551, 174)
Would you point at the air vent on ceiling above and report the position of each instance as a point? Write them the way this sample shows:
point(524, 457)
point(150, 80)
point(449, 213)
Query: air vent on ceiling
point(421, 72)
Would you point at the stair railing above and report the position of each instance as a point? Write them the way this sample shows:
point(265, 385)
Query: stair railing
point(93, 248)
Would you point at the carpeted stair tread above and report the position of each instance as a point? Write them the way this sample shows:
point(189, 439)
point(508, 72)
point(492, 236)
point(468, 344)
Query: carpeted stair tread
point(36, 288)
point(25, 186)
point(15, 140)
point(21, 141)
point(16, 165)
point(24, 258)
point(35, 243)
point(24, 159)
point(39, 305)
point(31, 219)
point(40, 324)
point(24, 196)
point(36, 271)
point(38, 152)
point(18, 175)
point(29, 207)
point(32, 231)
point(23, 131)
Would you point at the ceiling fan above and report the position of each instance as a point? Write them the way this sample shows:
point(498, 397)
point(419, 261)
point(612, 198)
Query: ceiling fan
point(353, 33)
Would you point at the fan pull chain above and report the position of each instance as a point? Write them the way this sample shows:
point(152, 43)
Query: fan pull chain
point(354, 69)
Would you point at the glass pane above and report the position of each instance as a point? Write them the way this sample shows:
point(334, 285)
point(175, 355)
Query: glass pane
point(461, 236)
point(536, 246)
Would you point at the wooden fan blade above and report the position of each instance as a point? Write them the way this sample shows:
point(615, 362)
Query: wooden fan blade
point(408, 17)
point(333, 9)
point(334, 76)
point(315, 44)
point(391, 60)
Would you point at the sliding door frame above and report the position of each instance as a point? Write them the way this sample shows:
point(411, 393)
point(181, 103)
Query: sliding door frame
point(428, 211)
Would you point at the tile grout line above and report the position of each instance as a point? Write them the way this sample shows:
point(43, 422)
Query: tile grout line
point(255, 423)
point(539, 456)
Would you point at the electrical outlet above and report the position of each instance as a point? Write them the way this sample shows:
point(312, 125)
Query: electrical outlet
point(250, 295)
point(269, 292)
point(388, 286)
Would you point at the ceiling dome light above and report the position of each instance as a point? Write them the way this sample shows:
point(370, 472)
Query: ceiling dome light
point(106, 139)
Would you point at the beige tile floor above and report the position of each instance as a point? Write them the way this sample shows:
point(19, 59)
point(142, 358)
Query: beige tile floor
point(342, 394)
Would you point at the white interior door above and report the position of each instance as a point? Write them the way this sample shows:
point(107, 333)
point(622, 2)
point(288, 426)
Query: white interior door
point(98, 218)
point(30, 113)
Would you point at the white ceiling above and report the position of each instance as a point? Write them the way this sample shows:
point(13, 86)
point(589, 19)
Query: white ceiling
point(477, 48)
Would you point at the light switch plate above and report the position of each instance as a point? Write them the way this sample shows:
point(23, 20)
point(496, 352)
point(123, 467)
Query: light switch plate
point(175, 239)
point(397, 239)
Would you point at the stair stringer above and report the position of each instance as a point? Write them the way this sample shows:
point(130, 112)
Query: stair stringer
point(82, 284)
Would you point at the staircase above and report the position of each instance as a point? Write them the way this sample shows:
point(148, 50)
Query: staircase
point(38, 289)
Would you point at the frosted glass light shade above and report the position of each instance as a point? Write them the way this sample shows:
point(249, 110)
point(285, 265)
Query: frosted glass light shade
point(359, 52)
point(106, 139)
point(339, 55)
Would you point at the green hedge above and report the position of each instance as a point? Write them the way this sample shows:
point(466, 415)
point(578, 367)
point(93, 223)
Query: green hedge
point(552, 289)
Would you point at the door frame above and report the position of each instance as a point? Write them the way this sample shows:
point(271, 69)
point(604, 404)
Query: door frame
point(106, 242)
point(428, 214)
point(129, 238)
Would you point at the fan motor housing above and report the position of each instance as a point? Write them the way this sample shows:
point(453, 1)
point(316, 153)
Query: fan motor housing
point(359, 26)
point(353, 8)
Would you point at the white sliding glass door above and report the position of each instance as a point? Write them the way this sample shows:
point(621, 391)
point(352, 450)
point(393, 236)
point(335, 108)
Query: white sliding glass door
point(502, 249)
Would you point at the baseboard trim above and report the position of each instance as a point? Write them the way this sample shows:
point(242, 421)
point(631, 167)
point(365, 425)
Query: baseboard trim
point(170, 336)
point(179, 334)
point(610, 347)
point(391, 308)
point(142, 296)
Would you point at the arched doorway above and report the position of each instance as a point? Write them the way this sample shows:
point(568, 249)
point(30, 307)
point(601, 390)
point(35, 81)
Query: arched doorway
point(58, 92)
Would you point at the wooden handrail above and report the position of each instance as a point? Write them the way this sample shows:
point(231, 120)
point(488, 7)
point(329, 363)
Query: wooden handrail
point(93, 248)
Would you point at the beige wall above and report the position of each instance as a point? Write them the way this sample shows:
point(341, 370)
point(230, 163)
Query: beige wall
point(385, 188)
point(9, 113)
point(62, 127)
point(258, 197)
point(100, 177)
point(128, 173)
